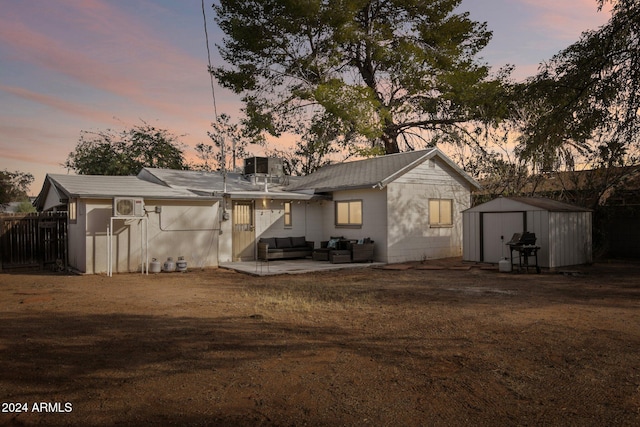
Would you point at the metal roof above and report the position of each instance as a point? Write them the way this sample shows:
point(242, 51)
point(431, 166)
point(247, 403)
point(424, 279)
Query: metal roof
point(499, 204)
point(369, 173)
point(105, 186)
point(549, 204)
point(198, 180)
point(237, 186)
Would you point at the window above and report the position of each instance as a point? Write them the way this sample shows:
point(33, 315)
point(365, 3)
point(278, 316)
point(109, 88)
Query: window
point(349, 213)
point(287, 214)
point(73, 211)
point(440, 212)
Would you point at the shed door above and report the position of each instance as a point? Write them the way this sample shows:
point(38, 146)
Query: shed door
point(243, 231)
point(497, 230)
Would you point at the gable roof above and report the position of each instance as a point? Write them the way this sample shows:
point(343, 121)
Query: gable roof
point(106, 187)
point(370, 173)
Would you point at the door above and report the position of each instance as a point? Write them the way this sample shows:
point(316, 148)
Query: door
point(497, 230)
point(243, 231)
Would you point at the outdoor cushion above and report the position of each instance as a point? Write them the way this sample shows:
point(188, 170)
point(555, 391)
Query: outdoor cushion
point(298, 242)
point(271, 241)
point(283, 242)
point(332, 243)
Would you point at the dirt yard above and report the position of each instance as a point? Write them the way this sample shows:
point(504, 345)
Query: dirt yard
point(373, 347)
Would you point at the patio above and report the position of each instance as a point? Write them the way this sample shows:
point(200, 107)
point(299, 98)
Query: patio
point(293, 266)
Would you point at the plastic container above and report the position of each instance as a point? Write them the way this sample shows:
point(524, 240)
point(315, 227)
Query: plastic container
point(504, 265)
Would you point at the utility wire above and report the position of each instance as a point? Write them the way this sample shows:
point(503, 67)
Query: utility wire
point(206, 36)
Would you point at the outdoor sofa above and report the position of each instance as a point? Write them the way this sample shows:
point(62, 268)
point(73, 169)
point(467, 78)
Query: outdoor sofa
point(339, 249)
point(284, 248)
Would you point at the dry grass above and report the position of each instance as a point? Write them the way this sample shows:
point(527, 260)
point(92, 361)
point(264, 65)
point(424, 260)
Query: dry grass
point(309, 294)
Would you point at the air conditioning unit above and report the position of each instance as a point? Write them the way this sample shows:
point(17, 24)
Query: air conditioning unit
point(128, 206)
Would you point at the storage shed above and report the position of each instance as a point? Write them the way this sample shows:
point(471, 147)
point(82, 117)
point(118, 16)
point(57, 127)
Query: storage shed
point(563, 231)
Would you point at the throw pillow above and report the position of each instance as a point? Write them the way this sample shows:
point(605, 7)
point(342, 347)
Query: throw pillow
point(298, 242)
point(283, 242)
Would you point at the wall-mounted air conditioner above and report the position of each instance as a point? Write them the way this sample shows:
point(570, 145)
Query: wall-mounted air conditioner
point(128, 206)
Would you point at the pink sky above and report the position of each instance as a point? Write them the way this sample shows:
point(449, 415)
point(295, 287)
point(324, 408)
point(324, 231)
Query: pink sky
point(73, 65)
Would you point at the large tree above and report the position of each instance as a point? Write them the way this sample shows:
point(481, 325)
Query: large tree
point(383, 72)
point(14, 186)
point(586, 99)
point(126, 152)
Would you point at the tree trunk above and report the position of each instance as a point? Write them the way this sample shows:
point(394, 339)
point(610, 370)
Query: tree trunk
point(390, 140)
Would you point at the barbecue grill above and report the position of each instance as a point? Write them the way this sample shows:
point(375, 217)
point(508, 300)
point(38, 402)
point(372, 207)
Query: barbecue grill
point(524, 244)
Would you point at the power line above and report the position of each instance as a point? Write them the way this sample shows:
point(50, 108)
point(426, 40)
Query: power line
point(206, 36)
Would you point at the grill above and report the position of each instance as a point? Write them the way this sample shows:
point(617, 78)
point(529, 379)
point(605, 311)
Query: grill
point(524, 244)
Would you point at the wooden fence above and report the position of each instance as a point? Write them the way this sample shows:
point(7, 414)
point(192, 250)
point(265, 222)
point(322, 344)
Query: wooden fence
point(33, 241)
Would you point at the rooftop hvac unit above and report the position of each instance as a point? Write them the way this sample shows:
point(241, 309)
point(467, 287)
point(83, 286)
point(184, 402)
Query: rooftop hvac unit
point(271, 166)
point(128, 206)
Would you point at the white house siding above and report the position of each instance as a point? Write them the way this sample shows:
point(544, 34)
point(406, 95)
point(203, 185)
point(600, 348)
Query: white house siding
point(270, 219)
point(225, 241)
point(410, 237)
point(269, 222)
point(374, 218)
point(188, 229)
point(76, 238)
point(304, 219)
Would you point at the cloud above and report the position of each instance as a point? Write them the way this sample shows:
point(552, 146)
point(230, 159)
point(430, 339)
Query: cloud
point(99, 46)
point(59, 104)
point(566, 20)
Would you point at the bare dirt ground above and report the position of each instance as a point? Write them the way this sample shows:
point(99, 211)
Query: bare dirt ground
point(365, 347)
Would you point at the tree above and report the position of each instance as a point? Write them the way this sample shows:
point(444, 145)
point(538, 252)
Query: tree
point(227, 138)
point(311, 152)
point(14, 186)
point(587, 97)
point(125, 152)
point(383, 72)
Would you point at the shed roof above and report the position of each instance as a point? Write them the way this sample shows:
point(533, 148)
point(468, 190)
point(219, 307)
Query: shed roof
point(369, 173)
point(539, 203)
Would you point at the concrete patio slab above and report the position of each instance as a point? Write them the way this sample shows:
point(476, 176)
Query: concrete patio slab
point(295, 266)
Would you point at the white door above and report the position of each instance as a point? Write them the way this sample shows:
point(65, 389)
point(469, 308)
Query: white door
point(497, 230)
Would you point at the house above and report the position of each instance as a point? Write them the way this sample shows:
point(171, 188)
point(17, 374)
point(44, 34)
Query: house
point(410, 204)
point(563, 231)
point(164, 222)
point(253, 204)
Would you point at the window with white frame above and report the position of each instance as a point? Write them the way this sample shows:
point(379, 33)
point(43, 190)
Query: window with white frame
point(349, 213)
point(287, 215)
point(440, 212)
